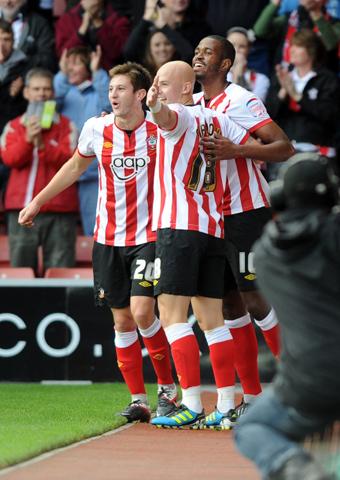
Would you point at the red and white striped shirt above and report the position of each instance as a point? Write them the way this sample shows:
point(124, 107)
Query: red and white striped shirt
point(246, 189)
point(189, 188)
point(126, 164)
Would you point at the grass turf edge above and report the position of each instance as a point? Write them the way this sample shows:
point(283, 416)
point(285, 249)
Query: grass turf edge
point(39, 418)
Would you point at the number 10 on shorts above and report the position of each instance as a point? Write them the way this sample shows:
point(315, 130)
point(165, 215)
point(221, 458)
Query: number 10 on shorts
point(246, 262)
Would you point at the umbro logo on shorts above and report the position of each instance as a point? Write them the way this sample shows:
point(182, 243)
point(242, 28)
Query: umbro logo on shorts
point(250, 277)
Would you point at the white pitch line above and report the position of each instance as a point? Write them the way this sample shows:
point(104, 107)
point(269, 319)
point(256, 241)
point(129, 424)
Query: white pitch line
point(56, 451)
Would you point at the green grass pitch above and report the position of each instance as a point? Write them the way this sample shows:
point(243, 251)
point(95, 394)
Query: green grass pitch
point(37, 418)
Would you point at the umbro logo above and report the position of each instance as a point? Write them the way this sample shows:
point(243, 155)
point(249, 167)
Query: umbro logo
point(158, 356)
point(250, 277)
point(145, 284)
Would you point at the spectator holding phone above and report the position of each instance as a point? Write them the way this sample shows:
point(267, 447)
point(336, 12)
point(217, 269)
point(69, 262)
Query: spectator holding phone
point(34, 154)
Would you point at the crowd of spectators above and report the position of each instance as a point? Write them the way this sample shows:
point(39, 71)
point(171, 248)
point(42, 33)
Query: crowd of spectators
point(287, 52)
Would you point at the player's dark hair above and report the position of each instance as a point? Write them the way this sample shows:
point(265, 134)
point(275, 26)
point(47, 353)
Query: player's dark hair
point(227, 48)
point(140, 77)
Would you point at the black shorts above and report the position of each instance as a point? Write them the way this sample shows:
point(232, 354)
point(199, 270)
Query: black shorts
point(241, 232)
point(122, 272)
point(189, 263)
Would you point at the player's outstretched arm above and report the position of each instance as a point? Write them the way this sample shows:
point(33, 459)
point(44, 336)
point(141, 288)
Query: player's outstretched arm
point(65, 177)
point(162, 114)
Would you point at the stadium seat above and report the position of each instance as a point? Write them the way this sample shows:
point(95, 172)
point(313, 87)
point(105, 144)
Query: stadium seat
point(75, 273)
point(4, 251)
point(84, 251)
point(16, 272)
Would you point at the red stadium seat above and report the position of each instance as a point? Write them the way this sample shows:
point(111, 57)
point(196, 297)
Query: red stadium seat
point(4, 251)
point(75, 273)
point(16, 272)
point(84, 251)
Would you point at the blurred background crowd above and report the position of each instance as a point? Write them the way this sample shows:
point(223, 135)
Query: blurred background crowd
point(58, 53)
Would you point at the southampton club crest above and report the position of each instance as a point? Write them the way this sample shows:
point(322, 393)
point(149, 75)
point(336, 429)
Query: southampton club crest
point(152, 141)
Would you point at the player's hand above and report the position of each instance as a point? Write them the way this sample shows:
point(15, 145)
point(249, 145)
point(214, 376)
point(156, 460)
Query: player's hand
point(217, 147)
point(27, 215)
point(152, 96)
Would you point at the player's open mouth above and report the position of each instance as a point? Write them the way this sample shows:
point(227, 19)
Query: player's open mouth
point(199, 65)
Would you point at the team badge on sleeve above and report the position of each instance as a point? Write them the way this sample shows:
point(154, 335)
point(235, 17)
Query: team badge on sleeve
point(256, 108)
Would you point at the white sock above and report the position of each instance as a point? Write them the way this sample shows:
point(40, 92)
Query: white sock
point(217, 335)
point(238, 322)
point(268, 322)
point(225, 399)
point(191, 398)
point(152, 330)
point(178, 330)
point(125, 339)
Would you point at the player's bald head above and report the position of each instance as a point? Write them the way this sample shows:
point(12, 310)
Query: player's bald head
point(176, 81)
point(179, 70)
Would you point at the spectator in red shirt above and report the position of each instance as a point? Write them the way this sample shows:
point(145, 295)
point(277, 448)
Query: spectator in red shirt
point(34, 154)
point(92, 23)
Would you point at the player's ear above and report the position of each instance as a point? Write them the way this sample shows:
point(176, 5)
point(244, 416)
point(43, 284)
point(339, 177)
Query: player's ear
point(141, 94)
point(186, 88)
point(226, 65)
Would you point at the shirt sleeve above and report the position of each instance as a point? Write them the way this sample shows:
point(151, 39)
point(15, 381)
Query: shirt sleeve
point(184, 121)
point(249, 111)
point(85, 142)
